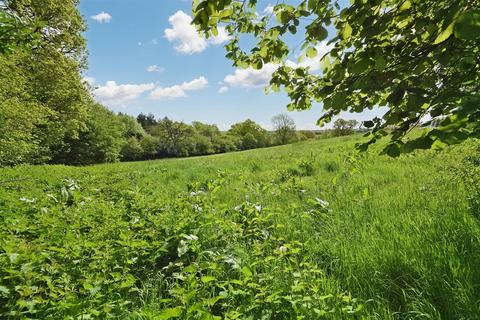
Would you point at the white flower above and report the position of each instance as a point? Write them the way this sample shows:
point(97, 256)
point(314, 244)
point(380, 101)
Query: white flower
point(191, 237)
point(323, 203)
point(283, 249)
point(196, 207)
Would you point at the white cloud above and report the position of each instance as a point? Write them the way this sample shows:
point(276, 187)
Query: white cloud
point(195, 84)
point(251, 78)
point(115, 94)
point(102, 17)
point(268, 9)
point(179, 90)
point(155, 68)
point(313, 63)
point(184, 34)
point(186, 37)
point(223, 89)
point(89, 80)
point(221, 37)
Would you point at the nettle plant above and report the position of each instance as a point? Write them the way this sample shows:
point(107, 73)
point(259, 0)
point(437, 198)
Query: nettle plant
point(418, 58)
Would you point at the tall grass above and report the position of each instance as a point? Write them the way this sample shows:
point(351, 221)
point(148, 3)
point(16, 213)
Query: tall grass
point(310, 230)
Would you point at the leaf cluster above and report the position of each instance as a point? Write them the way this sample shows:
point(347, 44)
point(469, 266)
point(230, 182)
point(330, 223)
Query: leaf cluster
point(418, 59)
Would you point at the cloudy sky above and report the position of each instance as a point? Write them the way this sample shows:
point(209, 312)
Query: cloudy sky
point(144, 56)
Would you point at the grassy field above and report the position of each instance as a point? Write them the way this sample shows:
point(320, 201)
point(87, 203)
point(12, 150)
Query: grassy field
point(305, 231)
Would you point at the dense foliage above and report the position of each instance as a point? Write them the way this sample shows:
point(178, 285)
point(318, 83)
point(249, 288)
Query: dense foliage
point(170, 138)
point(16, 33)
point(418, 58)
point(45, 106)
point(253, 235)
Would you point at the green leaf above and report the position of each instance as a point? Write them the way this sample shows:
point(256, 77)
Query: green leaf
point(4, 291)
point(128, 282)
point(396, 97)
point(311, 52)
point(393, 150)
point(258, 64)
point(317, 32)
point(419, 143)
point(380, 63)
point(467, 26)
point(445, 34)
point(170, 313)
point(246, 271)
point(368, 124)
point(225, 13)
point(207, 279)
point(360, 65)
point(405, 6)
point(347, 31)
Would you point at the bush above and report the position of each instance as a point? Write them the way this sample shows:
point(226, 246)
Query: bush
point(150, 146)
point(132, 150)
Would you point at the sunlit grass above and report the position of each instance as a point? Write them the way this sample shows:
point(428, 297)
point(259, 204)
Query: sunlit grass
point(307, 230)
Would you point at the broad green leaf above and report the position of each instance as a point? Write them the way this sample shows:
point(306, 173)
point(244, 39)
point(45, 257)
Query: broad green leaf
point(207, 279)
point(128, 282)
point(405, 5)
point(368, 124)
point(170, 313)
point(225, 13)
point(445, 34)
point(360, 65)
point(246, 271)
point(393, 150)
point(467, 26)
point(347, 31)
point(311, 52)
point(380, 63)
point(4, 291)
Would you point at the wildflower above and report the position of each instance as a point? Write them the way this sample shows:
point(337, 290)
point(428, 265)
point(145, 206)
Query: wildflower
point(283, 249)
point(191, 237)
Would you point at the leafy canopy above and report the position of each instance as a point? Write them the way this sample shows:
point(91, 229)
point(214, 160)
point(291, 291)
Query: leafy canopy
point(418, 58)
point(16, 32)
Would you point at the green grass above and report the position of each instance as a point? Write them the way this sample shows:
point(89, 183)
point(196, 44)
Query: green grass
point(305, 231)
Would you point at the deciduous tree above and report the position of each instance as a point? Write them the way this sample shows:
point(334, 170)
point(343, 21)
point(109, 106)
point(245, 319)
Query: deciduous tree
point(284, 127)
point(249, 135)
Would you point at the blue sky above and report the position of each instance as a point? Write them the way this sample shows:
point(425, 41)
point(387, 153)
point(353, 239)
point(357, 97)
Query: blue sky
point(143, 57)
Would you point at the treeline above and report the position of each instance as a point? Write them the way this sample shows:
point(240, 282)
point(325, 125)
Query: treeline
point(155, 138)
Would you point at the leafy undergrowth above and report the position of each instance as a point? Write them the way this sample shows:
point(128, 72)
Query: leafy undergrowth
point(308, 231)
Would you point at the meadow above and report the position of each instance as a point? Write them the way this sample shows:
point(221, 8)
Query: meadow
point(311, 230)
